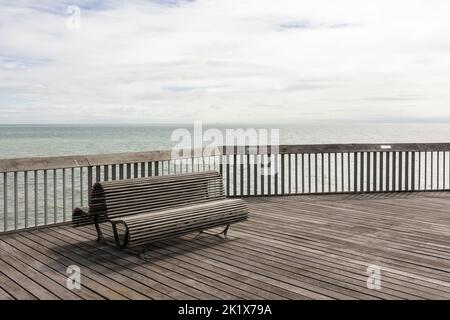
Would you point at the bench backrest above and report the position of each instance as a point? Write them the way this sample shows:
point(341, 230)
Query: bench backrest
point(114, 199)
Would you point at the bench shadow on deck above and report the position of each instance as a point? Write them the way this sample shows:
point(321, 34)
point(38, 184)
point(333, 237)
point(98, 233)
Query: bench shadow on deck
point(296, 247)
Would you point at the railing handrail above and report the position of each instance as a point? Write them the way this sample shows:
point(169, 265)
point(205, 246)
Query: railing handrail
point(74, 161)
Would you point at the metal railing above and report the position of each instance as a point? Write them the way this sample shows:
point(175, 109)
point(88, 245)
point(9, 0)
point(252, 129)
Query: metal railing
point(44, 191)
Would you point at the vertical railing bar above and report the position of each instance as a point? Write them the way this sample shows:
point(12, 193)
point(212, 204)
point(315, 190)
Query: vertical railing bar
point(262, 173)
point(290, 173)
point(228, 174)
point(329, 171)
point(348, 172)
point(269, 176)
point(55, 197)
point(400, 171)
point(388, 169)
point(407, 171)
point(355, 172)
point(5, 201)
point(90, 182)
point(81, 186)
point(413, 171)
point(437, 170)
point(443, 174)
point(420, 171)
point(426, 171)
point(432, 169)
point(394, 171)
point(335, 172)
point(248, 174)
point(64, 194)
point(303, 173)
point(45, 198)
point(25, 186)
point(255, 175)
point(309, 173)
point(36, 202)
point(322, 169)
point(375, 166)
point(342, 172)
point(296, 175)
point(316, 171)
point(241, 169)
point(283, 165)
point(72, 178)
point(234, 173)
point(362, 171)
point(275, 177)
point(16, 201)
point(368, 154)
point(381, 171)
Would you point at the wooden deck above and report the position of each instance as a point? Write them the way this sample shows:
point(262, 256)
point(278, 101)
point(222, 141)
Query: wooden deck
point(297, 247)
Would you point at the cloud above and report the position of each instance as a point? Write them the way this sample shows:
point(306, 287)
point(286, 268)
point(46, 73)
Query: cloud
point(159, 61)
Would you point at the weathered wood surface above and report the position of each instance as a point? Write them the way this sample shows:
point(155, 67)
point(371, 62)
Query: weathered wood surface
point(75, 161)
point(297, 247)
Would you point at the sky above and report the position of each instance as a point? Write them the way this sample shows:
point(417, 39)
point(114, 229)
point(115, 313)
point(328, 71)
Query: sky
point(226, 61)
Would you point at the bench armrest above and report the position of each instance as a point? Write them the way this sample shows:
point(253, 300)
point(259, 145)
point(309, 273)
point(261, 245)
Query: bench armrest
point(80, 211)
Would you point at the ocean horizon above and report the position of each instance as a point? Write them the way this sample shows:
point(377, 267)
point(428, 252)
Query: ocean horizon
point(40, 140)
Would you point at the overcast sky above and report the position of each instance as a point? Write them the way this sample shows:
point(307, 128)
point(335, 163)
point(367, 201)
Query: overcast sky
point(224, 61)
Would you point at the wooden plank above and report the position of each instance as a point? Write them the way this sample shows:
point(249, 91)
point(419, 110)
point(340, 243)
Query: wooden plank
point(49, 268)
point(296, 247)
point(13, 289)
point(8, 266)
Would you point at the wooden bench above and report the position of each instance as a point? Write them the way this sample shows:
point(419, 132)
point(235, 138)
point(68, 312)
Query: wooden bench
point(155, 208)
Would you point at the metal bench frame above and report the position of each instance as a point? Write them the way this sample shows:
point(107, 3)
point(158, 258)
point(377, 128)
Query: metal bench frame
point(181, 203)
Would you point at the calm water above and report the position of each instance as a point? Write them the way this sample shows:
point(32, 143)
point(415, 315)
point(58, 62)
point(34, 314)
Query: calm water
point(52, 140)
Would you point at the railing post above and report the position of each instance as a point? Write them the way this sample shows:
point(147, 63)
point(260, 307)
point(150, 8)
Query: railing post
point(5, 201)
point(90, 183)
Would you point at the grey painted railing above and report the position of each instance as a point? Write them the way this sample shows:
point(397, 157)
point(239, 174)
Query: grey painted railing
point(43, 191)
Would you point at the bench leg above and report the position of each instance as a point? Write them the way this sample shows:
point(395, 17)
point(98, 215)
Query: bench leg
point(226, 231)
point(116, 235)
point(143, 255)
point(99, 232)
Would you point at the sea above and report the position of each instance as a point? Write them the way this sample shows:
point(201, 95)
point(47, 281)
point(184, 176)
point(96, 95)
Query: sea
point(21, 141)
